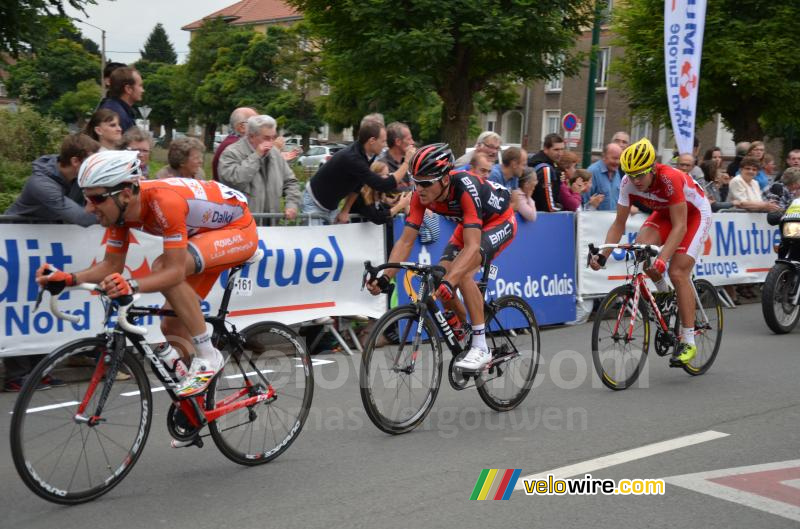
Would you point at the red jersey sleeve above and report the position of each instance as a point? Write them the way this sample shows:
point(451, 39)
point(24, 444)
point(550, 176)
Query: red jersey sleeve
point(416, 213)
point(117, 239)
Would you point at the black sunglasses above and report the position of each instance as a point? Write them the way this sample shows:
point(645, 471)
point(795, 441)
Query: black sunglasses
point(426, 182)
point(99, 199)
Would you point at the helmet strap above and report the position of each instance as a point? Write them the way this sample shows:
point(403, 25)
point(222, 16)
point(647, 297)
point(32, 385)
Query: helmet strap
point(444, 190)
point(122, 207)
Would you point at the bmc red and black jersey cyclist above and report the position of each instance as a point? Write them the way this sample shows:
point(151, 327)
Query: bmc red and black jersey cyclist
point(486, 226)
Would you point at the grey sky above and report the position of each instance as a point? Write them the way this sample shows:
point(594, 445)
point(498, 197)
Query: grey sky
point(129, 22)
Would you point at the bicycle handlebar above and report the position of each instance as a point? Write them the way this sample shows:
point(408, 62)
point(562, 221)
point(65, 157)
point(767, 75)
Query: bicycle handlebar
point(124, 303)
point(651, 249)
point(371, 272)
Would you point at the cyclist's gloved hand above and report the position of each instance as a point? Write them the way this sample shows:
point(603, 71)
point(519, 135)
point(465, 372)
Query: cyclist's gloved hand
point(380, 285)
point(54, 280)
point(116, 286)
point(445, 291)
point(598, 261)
point(660, 266)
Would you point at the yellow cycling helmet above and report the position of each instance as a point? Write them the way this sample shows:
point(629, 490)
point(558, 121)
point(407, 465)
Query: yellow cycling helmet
point(638, 158)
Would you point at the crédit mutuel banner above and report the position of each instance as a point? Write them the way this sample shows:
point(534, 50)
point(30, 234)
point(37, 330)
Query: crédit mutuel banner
point(305, 273)
point(684, 22)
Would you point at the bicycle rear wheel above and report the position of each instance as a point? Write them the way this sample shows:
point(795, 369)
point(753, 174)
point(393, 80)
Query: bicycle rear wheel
point(257, 434)
point(513, 339)
point(65, 458)
point(396, 394)
point(619, 357)
point(707, 328)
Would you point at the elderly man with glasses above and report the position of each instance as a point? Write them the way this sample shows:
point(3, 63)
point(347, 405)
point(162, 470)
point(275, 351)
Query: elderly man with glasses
point(488, 143)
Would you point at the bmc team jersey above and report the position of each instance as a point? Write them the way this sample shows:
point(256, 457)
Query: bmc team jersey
point(671, 186)
point(210, 219)
point(472, 202)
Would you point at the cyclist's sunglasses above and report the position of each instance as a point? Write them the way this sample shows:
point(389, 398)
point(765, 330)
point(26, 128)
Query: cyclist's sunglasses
point(428, 182)
point(99, 199)
point(640, 174)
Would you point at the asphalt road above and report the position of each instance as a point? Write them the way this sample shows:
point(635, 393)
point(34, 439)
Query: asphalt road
point(344, 472)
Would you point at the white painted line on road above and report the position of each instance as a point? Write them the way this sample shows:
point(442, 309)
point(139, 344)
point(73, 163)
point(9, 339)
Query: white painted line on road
point(152, 390)
point(701, 482)
point(51, 407)
point(625, 456)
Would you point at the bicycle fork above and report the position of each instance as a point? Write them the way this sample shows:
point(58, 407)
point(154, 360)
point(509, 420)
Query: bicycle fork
point(108, 366)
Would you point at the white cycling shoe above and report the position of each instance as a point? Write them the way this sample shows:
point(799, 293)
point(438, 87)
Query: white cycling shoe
point(201, 372)
point(475, 360)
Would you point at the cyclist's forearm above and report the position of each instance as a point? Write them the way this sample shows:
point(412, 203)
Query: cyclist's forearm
point(615, 233)
point(400, 252)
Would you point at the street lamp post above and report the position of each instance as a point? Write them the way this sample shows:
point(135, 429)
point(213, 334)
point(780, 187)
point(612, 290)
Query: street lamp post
point(102, 53)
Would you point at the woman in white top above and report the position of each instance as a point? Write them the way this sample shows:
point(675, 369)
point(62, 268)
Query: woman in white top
point(744, 191)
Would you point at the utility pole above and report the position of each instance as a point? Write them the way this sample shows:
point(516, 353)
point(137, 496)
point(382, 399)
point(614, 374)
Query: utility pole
point(102, 53)
point(588, 129)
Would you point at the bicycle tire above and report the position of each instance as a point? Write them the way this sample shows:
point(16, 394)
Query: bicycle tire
point(278, 352)
point(603, 333)
point(707, 340)
point(501, 338)
point(780, 314)
point(374, 362)
point(37, 410)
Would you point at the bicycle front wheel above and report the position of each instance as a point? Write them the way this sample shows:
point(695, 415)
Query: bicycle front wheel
point(707, 328)
point(274, 360)
point(69, 458)
point(401, 370)
point(513, 339)
point(619, 342)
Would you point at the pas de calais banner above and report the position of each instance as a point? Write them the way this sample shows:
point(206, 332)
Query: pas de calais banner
point(538, 265)
point(684, 24)
point(306, 273)
point(739, 249)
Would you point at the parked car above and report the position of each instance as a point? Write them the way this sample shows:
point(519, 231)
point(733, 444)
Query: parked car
point(293, 142)
point(218, 138)
point(318, 155)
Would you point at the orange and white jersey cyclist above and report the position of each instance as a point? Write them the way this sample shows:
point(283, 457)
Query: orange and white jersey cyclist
point(680, 222)
point(487, 225)
point(206, 227)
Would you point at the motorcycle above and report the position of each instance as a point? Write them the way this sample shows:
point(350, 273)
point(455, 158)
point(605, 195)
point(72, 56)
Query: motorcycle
point(780, 299)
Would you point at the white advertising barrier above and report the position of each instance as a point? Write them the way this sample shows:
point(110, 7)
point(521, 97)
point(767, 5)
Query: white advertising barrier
point(739, 249)
point(306, 273)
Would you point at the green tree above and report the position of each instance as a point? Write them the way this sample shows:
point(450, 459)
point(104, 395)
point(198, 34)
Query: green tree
point(25, 24)
point(750, 70)
point(453, 47)
point(165, 93)
point(76, 106)
point(55, 70)
point(158, 47)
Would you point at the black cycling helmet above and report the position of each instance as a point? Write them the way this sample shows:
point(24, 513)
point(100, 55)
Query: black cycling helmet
point(432, 161)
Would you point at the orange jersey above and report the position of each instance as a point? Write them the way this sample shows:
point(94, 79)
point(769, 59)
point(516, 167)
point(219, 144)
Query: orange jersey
point(179, 208)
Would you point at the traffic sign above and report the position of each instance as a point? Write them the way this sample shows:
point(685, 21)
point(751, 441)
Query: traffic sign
point(569, 121)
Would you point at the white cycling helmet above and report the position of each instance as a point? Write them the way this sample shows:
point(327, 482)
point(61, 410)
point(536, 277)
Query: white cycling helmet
point(110, 169)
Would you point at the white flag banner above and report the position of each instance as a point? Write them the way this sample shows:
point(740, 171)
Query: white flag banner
point(684, 22)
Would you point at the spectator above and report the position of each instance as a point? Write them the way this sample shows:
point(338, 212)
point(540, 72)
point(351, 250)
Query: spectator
point(770, 168)
point(238, 126)
point(686, 163)
point(398, 140)
point(254, 166)
point(606, 178)
point(185, 159)
point(288, 155)
point(136, 139)
point(343, 175)
point(522, 197)
point(544, 163)
point(488, 142)
point(507, 172)
point(715, 155)
point(567, 165)
point(590, 201)
point(757, 151)
point(622, 139)
point(378, 207)
point(125, 90)
point(573, 189)
point(107, 71)
point(741, 151)
point(51, 192)
point(745, 192)
point(480, 164)
point(715, 185)
point(103, 127)
point(793, 158)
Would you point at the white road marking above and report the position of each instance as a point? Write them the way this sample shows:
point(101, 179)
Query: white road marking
point(699, 482)
point(52, 406)
point(625, 456)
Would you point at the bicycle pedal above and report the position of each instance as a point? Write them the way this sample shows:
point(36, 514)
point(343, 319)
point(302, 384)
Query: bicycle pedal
point(196, 441)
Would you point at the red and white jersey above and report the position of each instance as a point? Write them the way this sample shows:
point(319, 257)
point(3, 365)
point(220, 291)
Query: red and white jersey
point(670, 186)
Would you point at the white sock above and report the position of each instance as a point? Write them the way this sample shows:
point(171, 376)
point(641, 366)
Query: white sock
point(661, 285)
point(202, 344)
point(479, 337)
point(169, 355)
point(687, 335)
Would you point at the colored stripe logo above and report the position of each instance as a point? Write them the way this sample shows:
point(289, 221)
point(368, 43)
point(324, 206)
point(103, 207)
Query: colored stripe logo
point(495, 484)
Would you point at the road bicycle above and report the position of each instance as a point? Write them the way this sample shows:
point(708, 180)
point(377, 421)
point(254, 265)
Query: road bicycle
point(401, 367)
point(621, 331)
point(74, 443)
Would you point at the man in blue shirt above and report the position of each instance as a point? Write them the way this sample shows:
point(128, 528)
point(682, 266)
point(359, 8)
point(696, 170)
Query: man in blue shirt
point(606, 177)
point(124, 91)
point(507, 172)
